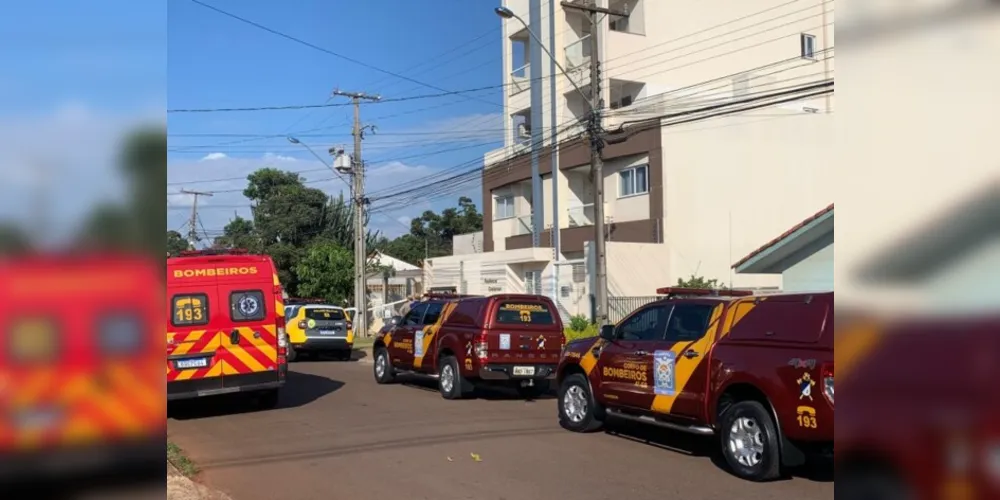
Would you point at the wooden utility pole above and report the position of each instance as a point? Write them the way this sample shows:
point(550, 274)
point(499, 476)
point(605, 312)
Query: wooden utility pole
point(360, 202)
point(193, 223)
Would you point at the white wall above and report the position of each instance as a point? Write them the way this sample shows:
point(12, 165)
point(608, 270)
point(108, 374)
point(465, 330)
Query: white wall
point(733, 184)
point(469, 243)
point(812, 273)
point(637, 269)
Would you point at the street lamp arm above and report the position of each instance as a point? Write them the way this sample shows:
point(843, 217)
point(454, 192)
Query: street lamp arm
point(507, 14)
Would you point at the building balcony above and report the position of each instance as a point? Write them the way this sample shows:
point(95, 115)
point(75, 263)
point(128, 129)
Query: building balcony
point(522, 225)
point(578, 53)
point(572, 239)
point(520, 79)
point(582, 215)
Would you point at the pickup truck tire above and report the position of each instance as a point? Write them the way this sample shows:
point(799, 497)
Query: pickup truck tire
point(451, 383)
point(750, 442)
point(384, 372)
point(578, 411)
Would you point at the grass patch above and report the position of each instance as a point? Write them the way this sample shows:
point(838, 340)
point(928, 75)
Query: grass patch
point(176, 456)
point(363, 342)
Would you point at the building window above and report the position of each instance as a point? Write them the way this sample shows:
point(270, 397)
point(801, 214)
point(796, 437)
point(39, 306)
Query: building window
point(807, 45)
point(503, 207)
point(633, 181)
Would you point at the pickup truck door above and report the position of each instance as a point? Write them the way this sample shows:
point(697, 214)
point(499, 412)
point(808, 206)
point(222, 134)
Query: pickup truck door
point(680, 360)
point(423, 339)
point(401, 350)
point(626, 364)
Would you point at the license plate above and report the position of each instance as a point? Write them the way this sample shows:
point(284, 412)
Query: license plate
point(327, 332)
point(523, 371)
point(182, 364)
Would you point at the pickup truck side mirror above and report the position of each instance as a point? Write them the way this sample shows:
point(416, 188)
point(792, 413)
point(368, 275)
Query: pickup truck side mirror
point(608, 332)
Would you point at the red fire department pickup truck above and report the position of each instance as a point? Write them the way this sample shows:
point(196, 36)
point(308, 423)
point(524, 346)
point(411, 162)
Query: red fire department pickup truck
point(757, 371)
point(466, 341)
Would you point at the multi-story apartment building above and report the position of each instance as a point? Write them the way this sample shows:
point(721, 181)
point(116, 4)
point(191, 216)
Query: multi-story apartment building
point(679, 198)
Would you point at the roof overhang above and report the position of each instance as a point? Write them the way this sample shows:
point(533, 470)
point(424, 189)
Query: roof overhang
point(792, 247)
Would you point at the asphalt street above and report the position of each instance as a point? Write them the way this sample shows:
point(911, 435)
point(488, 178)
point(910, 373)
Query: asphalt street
point(339, 435)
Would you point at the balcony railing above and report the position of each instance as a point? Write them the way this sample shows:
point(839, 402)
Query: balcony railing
point(581, 215)
point(520, 79)
point(578, 53)
point(522, 225)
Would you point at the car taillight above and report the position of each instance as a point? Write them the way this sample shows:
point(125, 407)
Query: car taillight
point(827, 372)
point(481, 347)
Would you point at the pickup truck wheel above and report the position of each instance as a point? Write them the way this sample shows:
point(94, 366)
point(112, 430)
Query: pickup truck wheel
point(578, 411)
point(384, 372)
point(750, 442)
point(451, 383)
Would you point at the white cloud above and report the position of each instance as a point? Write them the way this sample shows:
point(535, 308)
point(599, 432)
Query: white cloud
point(76, 147)
point(225, 177)
point(277, 157)
point(214, 156)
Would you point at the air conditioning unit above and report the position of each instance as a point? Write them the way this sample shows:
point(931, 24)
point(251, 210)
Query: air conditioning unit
point(523, 131)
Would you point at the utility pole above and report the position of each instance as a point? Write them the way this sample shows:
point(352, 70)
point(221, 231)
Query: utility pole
point(193, 223)
point(595, 130)
point(357, 172)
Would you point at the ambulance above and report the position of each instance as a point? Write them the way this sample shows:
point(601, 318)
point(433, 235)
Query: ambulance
point(226, 332)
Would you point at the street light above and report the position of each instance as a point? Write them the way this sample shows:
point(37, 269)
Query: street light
point(295, 140)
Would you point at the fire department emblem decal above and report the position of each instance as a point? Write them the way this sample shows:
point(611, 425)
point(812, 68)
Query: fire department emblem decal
point(806, 384)
point(541, 342)
point(248, 305)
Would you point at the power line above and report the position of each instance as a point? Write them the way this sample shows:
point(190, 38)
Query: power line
point(384, 117)
point(328, 51)
point(325, 105)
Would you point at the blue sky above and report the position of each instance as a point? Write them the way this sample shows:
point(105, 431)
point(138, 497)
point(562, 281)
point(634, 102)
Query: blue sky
point(76, 76)
point(217, 62)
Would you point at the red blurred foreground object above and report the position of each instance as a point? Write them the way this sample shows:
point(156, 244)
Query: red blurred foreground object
point(81, 373)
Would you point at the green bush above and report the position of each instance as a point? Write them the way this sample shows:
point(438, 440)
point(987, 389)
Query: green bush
point(579, 323)
point(589, 331)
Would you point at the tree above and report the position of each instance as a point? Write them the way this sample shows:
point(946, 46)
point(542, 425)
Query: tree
point(327, 271)
point(13, 239)
point(431, 234)
point(699, 282)
point(176, 243)
point(239, 233)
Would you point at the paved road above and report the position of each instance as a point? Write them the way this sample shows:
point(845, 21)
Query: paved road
point(338, 435)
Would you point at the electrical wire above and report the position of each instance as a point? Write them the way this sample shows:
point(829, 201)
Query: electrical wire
point(662, 53)
point(328, 51)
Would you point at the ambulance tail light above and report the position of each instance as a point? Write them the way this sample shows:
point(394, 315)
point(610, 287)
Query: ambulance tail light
point(827, 374)
point(350, 326)
point(482, 346)
point(303, 324)
point(282, 340)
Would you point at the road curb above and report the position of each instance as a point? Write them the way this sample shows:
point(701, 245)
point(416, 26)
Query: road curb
point(367, 358)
